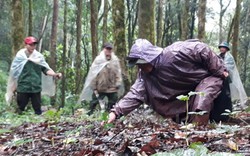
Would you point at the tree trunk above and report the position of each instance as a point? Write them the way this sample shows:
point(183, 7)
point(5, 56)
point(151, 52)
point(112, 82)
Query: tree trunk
point(17, 33)
point(229, 35)
point(30, 18)
point(201, 19)
point(105, 21)
point(118, 15)
point(132, 7)
point(184, 19)
point(42, 32)
point(147, 20)
point(53, 41)
point(93, 22)
point(246, 42)
point(192, 12)
point(63, 89)
point(222, 12)
point(160, 23)
point(78, 45)
point(235, 39)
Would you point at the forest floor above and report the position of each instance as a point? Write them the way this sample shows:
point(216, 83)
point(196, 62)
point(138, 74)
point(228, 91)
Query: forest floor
point(141, 133)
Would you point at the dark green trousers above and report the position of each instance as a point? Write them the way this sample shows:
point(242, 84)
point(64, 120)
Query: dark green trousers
point(112, 99)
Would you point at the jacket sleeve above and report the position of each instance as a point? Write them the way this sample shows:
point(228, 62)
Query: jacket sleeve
point(44, 70)
point(209, 60)
point(132, 100)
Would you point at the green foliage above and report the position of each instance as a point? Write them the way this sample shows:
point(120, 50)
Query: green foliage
point(187, 97)
point(71, 135)
point(13, 119)
point(104, 117)
point(195, 149)
point(199, 148)
point(197, 113)
point(229, 113)
point(248, 109)
point(2, 131)
point(53, 115)
point(19, 142)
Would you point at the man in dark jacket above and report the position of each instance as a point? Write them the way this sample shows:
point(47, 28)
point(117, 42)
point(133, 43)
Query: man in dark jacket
point(167, 73)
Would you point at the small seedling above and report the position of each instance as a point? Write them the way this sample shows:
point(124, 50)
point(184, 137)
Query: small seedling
point(186, 98)
point(233, 114)
point(104, 117)
point(230, 113)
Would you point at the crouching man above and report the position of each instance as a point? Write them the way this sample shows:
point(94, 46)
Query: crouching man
point(167, 73)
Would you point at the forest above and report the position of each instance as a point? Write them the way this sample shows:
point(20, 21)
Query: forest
point(71, 34)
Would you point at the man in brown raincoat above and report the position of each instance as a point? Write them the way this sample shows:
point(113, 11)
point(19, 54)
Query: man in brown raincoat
point(167, 73)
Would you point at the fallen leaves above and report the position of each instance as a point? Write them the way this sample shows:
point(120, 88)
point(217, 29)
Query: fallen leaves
point(137, 134)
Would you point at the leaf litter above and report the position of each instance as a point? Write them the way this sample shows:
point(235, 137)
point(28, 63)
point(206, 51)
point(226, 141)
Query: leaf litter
point(141, 133)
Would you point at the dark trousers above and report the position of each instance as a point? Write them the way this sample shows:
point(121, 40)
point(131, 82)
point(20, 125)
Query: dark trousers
point(221, 103)
point(112, 98)
point(23, 99)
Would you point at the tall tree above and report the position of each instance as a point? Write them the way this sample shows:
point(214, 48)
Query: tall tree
point(222, 12)
point(235, 38)
point(17, 25)
point(53, 40)
point(64, 52)
point(146, 20)
point(192, 14)
point(78, 45)
point(30, 18)
point(45, 21)
point(201, 19)
point(184, 19)
point(245, 39)
point(93, 22)
point(133, 10)
point(118, 15)
point(160, 22)
point(105, 21)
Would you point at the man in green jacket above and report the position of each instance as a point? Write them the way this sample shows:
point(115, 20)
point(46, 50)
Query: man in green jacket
point(26, 70)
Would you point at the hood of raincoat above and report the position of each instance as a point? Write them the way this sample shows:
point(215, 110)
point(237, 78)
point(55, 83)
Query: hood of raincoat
point(143, 49)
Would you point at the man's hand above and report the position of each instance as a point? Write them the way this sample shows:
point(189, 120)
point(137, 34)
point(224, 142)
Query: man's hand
point(112, 117)
point(58, 75)
point(226, 74)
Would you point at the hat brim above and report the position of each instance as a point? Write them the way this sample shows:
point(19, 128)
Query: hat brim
point(133, 62)
point(108, 47)
point(32, 42)
point(224, 47)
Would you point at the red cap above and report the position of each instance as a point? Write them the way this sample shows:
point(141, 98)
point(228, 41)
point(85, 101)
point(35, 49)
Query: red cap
point(30, 40)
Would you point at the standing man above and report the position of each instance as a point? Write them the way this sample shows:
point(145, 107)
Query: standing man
point(167, 73)
point(104, 79)
point(237, 90)
point(26, 76)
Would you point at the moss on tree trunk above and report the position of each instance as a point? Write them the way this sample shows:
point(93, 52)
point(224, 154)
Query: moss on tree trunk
point(78, 46)
point(93, 22)
point(17, 26)
point(236, 25)
point(147, 20)
point(118, 15)
point(201, 19)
